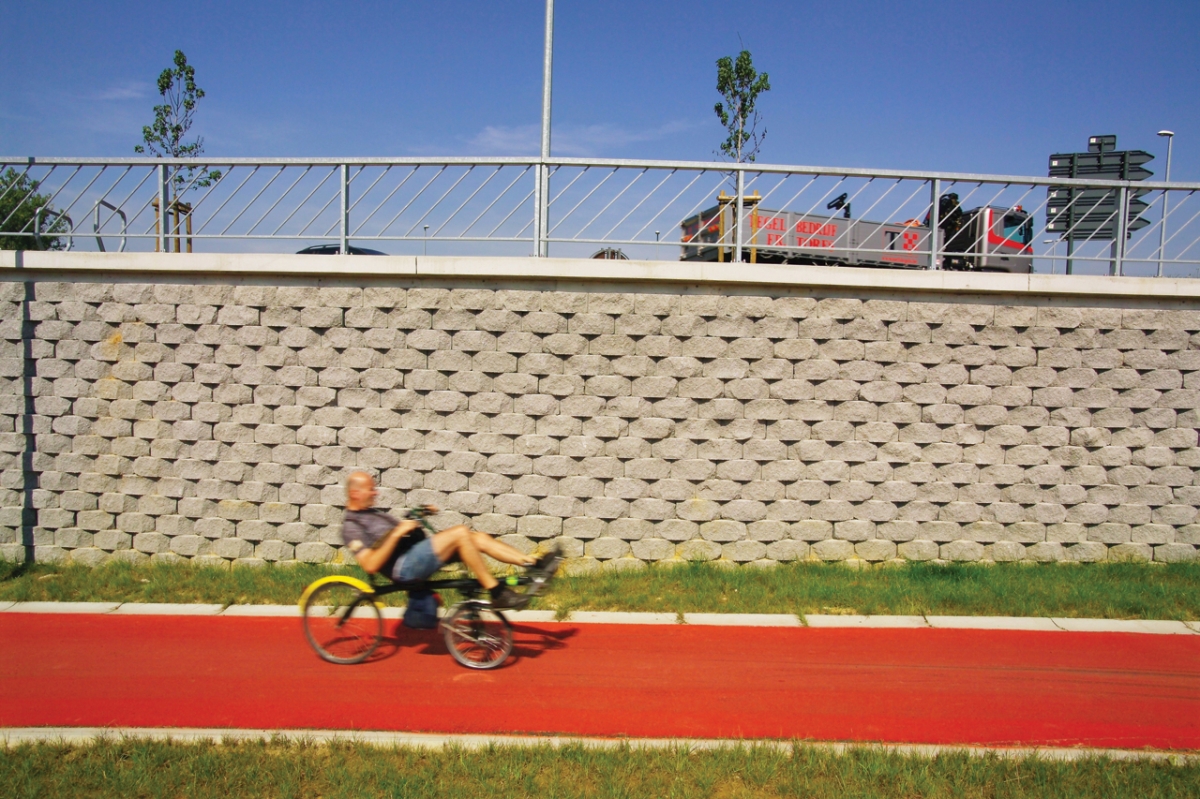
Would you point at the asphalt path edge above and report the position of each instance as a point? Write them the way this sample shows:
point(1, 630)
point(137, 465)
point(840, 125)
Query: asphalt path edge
point(82, 736)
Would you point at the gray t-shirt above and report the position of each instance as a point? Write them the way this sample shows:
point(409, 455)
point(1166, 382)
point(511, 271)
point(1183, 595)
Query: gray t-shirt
point(363, 529)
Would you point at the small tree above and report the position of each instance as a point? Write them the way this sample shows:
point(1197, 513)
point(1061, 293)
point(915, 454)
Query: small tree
point(19, 202)
point(740, 85)
point(172, 121)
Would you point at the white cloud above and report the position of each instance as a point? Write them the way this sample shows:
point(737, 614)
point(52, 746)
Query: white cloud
point(501, 140)
point(568, 140)
point(132, 90)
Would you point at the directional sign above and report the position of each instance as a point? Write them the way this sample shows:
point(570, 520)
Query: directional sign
point(1092, 213)
point(1079, 202)
point(1122, 165)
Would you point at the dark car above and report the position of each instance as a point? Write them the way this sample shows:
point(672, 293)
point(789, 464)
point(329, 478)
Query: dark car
point(334, 249)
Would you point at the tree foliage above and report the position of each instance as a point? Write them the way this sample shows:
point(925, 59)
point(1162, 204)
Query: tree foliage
point(19, 203)
point(166, 136)
point(740, 85)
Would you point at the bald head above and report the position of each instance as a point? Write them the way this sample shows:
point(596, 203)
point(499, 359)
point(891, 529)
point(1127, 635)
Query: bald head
point(360, 491)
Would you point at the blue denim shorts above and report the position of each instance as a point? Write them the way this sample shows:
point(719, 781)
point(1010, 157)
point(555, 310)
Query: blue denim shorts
point(418, 563)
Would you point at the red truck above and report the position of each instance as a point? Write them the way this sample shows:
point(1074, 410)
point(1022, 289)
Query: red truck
point(986, 239)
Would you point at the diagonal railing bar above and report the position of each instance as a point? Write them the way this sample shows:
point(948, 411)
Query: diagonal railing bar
point(470, 197)
point(105, 193)
point(496, 201)
point(849, 201)
point(640, 202)
point(698, 208)
point(618, 196)
point(302, 203)
point(1180, 228)
point(919, 188)
point(1018, 203)
point(278, 200)
point(60, 213)
point(253, 200)
point(782, 213)
point(313, 220)
point(385, 200)
point(585, 198)
point(520, 204)
point(232, 194)
point(668, 204)
point(13, 185)
point(567, 187)
point(926, 237)
point(363, 194)
point(438, 202)
point(414, 198)
point(1194, 241)
point(822, 199)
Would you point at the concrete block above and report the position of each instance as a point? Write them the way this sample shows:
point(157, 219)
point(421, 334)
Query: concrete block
point(606, 548)
point(1175, 553)
point(832, 550)
point(698, 550)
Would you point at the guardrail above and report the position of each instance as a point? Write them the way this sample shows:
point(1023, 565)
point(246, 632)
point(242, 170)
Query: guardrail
point(482, 206)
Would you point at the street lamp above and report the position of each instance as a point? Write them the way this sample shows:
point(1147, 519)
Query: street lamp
point(1162, 233)
point(425, 241)
point(1053, 251)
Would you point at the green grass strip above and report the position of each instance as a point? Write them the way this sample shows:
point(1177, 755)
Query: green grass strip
point(1113, 591)
point(130, 768)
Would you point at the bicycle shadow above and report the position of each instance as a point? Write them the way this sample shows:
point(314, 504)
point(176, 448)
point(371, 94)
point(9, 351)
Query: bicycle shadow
point(528, 642)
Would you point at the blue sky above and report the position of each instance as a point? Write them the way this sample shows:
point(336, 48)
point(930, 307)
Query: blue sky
point(954, 86)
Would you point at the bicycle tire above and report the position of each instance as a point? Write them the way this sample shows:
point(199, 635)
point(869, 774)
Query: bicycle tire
point(342, 622)
point(477, 635)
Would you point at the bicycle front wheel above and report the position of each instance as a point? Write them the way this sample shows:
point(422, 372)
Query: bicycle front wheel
point(478, 637)
point(342, 622)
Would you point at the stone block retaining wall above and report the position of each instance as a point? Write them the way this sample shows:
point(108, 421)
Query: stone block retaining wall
point(215, 417)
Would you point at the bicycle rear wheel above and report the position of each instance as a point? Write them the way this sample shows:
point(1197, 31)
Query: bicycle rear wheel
point(478, 636)
point(342, 622)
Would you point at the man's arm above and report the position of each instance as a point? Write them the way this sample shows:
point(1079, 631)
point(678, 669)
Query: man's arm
point(372, 559)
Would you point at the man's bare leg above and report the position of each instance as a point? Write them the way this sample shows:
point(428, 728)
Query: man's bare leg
point(500, 550)
point(470, 547)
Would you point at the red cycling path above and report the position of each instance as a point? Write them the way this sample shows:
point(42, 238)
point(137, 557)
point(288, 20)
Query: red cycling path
point(929, 686)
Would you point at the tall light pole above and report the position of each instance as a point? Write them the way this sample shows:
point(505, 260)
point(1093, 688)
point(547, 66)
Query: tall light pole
point(1162, 233)
point(542, 184)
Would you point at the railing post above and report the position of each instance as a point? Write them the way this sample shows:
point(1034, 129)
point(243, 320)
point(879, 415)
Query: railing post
point(1118, 245)
point(737, 216)
point(164, 206)
point(344, 211)
point(538, 211)
point(935, 201)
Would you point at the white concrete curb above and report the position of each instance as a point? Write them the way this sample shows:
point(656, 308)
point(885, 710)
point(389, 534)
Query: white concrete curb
point(876, 622)
point(166, 609)
point(993, 623)
point(534, 616)
point(1124, 626)
point(262, 610)
point(13, 736)
point(813, 620)
point(60, 607)
point(616, 617)
point(743, 619)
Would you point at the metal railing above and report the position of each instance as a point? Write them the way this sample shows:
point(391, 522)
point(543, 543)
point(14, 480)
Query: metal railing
point(493, 206)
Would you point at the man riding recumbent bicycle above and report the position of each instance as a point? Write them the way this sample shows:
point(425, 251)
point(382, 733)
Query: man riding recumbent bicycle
point(342, 615)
